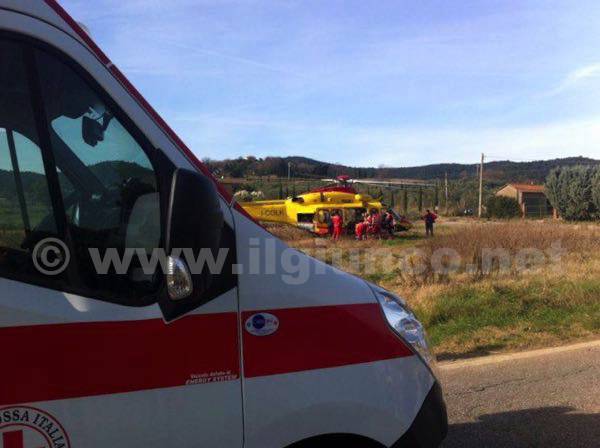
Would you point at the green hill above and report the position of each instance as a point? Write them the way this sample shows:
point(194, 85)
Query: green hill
point(302, 167)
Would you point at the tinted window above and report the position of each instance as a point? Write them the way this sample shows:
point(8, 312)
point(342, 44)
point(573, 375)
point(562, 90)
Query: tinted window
point(26, 212)
point(108, 184)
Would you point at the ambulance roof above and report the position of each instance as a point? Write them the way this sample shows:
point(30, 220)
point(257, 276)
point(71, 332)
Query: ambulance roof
point(47, 10)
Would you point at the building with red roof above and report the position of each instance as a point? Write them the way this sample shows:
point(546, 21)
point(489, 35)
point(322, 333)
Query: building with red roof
point(531, 198)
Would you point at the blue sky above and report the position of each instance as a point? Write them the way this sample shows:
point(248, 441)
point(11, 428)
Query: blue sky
point(365, 83)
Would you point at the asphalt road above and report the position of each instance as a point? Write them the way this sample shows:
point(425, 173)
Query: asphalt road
point(548, 398)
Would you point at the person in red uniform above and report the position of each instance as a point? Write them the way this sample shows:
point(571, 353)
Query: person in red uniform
point(375, 223)
point(429, 219)
point(387, 223)
point(361, 228)
point(338, 224)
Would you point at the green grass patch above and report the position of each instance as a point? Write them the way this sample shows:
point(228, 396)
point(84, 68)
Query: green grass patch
point(472, 318)
point(403, 239)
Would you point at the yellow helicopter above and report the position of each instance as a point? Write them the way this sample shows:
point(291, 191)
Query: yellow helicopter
point(313, 210)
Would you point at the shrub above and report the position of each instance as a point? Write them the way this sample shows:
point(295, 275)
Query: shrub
point(554, 189)
point(503, 207)
point(570, 191)
point(580, 205)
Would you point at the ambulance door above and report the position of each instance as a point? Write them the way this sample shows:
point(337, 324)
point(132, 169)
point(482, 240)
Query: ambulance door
point(87, 358)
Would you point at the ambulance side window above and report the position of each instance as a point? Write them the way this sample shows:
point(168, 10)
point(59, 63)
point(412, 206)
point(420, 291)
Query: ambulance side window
point(26, 209)
point(107, 182)
point(74, 170)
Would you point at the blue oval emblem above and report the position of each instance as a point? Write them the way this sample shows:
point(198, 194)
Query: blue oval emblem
point(262, 324)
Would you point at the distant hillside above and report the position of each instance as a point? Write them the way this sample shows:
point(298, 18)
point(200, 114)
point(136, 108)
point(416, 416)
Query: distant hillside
point(504, 171)
point(35, 185)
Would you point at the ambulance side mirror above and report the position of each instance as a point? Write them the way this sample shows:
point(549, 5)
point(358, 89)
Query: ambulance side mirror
point(194, 225)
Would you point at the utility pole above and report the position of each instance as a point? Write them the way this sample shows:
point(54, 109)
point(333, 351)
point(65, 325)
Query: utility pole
point(446, 187)
point(289, 179)
point(481, 186)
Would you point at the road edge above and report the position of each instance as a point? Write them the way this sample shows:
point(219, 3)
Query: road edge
point(495, 359)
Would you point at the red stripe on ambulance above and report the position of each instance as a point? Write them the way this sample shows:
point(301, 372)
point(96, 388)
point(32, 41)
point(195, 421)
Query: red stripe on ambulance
point(49, 362)
point(321, 337)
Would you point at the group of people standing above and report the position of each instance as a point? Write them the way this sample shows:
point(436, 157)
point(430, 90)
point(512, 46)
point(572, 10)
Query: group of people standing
point(371, 224)
point(375, 224)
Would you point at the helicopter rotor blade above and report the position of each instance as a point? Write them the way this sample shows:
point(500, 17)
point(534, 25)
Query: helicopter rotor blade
point(394, 183)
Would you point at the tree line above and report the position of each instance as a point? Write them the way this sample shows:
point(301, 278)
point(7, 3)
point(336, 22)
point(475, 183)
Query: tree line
point(302, 167)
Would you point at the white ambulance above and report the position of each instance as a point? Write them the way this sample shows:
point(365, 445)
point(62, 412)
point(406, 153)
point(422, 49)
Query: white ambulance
point(266, 347)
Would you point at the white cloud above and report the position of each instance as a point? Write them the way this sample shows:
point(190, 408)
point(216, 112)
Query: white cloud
point(576, 77)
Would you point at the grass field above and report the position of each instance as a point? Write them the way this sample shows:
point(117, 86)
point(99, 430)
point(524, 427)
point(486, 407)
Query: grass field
point(483, 287)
